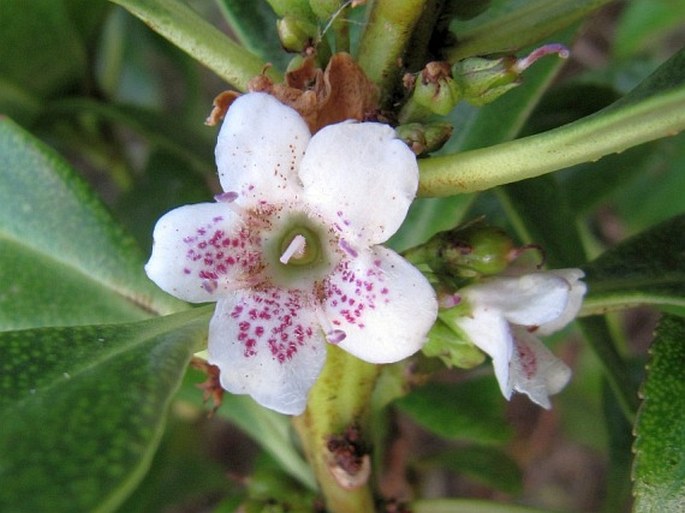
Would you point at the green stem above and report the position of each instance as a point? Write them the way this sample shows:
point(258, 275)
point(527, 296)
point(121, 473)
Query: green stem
point(338, 401)
point(203, 41)
point(611, 130)
point(385, 39)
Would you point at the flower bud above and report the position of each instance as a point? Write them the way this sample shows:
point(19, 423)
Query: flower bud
point(435, 89)
point(482, 80)
point(296, 34)
point(466, 252)
point(424, 138)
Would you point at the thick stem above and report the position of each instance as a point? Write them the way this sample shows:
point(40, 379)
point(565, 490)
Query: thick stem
point(339, 406)
point(611, 130)
point(385, 39)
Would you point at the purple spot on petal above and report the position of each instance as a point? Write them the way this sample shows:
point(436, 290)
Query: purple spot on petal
point(347, 248)
point(227, 197)
point(210, 285)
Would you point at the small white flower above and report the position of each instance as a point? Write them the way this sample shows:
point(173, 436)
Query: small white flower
point(290, 251)
point(506, 311)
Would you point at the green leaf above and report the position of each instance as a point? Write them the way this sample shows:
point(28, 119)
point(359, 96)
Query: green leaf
point(470, 410)
point(513, 24)
point(648, 268)
point(654, 109)
point(487, 465)
point(41, 52)
point(83, 409)
point(254, 24)
point(271, 430)
point(63, 259)
point(182, 471)
point(184, 27)
point(659, 469)
point(643, 23)
point(468, 506)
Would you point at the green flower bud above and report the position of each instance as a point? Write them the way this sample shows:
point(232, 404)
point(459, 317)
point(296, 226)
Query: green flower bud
point(424, 138)
point(482, 80)
point(435, 89)
point(466, 252)
point(296, 34)
point(299, 9)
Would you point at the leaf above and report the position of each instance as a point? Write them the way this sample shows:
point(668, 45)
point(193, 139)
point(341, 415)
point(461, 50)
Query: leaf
point(40, 52)
point(83, 409)
point(271, 430)
point(471, 410)
point(486, 465)
point(644, 23)
point(648, 268)
point(468, 506)
point(254, 24)
point(514, 24)
point(63, 259)
point(184, 27)
point(654, 109)
point(659, 468)
point(182, 471)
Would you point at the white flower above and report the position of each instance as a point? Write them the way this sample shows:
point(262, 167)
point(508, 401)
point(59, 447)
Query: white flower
point(506, 311)
point(289, 251)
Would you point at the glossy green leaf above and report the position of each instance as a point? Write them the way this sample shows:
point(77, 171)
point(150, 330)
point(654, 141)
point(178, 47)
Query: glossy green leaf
point(468, 506)
point(648, 268)
point(184, 27)
point(659, 469)
point(41, 51)
point(63, 259)
point(514, 24)
point(654, 109)
point(470, 410)
point(83, 409)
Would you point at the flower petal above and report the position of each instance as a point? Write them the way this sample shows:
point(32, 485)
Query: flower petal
point(488, 329)
point(268, 345)
point(575, 300)
point(259, 148)
point(361, 177)
point(534, 370)
point(528, 300)
point(382, 304)
point(201, 251)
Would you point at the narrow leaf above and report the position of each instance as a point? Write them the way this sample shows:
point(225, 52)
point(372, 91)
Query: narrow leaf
point(63, 259)
point(513, 25)
point(648, 268)
point(472, 410)
point(659, 469)
point(184, 27)
point(468, 506)
point(83, 409)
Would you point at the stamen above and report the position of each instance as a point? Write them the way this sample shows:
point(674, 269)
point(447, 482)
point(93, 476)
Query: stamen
point(333, 335)
point(295, 249)
point(525, 62)
point(228, 198)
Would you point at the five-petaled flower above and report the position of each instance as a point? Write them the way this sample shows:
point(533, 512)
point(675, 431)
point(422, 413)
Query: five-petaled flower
point(507, 312)
point(290, 251)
